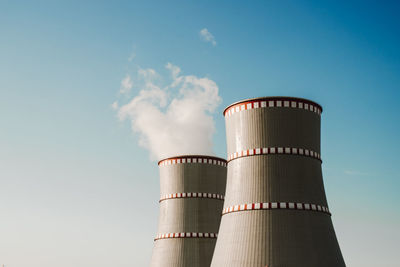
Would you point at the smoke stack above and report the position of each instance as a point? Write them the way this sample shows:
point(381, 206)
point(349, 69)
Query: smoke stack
point(192, 192)
point(275, 211)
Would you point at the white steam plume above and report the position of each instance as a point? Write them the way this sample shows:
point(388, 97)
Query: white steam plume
point(171, 124)
point(206, 36)
point(126, 85)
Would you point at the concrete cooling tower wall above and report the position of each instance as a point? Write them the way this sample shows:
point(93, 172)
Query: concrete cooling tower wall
point(192, 193)
point(275, 211)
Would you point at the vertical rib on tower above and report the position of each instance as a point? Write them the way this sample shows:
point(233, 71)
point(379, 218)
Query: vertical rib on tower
point(275, 211)
point(192, 193)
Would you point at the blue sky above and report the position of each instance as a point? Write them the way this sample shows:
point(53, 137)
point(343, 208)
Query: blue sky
point(75, 186)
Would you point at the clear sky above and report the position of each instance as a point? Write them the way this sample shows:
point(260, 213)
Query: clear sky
point(76, 189)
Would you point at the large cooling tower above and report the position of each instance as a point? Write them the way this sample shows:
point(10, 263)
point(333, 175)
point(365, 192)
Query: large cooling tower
point(192, 194)
point(275, 211)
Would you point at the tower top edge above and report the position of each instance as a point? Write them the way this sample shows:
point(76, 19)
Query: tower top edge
point(193, 156)
point(269, 98)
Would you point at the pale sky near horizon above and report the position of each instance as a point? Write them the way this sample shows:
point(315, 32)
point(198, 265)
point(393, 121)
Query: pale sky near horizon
point(77, 189)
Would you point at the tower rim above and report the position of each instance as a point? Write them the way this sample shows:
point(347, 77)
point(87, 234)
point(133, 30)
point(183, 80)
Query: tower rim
point(266, 98)
point(192, 156)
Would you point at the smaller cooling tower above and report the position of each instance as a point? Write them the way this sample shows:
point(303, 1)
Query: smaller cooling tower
point(192, 193)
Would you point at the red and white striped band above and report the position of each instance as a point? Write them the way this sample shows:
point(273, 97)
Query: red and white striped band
point(276, 205)
point(275, 150)
point(192, 195)
point(186, 235)
point(266, 103)
point(193, 159)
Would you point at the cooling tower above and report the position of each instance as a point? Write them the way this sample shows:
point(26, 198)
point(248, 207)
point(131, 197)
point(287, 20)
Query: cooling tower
point(275, 211)
point(192, 193)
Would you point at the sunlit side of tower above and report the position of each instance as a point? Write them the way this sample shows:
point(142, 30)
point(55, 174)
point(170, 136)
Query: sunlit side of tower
point(192, 193)
point(275, 211)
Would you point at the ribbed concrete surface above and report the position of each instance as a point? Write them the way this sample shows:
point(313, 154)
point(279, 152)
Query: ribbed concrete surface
point(192, 177)
point(279, 237)
point(188, 215)
point(186, 252)
point(274, 178)
point(273, 127)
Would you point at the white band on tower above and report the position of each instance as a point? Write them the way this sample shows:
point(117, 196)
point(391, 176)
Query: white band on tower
point(276, 205)
point(192, 195)
point(275, 103)
point(192, 159)
point(275, 150)
point(186, 235)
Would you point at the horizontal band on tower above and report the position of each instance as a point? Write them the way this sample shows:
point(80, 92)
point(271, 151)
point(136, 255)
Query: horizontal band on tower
point(186, 235)
point(192, 195)
point(275, 150)
point(284, 102)
point(276, 205)
point(193, 159)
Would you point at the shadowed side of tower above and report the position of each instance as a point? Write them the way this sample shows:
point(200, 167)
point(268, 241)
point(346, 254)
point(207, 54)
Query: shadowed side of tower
point(192, 193)
point(275, 211)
